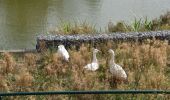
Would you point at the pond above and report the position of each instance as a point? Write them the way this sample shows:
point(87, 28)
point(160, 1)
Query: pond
point(22, 20)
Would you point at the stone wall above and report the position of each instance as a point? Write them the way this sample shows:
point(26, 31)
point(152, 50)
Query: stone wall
point(48, 41)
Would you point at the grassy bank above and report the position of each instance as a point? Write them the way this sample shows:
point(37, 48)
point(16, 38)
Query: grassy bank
point(147, 66)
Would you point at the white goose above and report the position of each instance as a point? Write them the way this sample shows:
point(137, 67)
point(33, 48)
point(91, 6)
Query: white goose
point(116, 70)
point(94, 65)
point(63, 52)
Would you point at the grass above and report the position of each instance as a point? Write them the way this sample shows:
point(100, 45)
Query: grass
point(161, 23)
point(142, 24)
point(146, 65)
point(75, 28)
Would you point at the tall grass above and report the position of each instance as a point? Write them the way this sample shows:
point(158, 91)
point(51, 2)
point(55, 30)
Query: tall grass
point(75, 28)
point(143, 24)
point(145, 64)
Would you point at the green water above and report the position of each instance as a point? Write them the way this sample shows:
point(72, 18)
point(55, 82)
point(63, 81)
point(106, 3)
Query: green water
point(22, 20)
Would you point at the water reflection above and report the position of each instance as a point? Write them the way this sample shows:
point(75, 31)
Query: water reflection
point(20, 20)
point(71, 10)
point(20, 23)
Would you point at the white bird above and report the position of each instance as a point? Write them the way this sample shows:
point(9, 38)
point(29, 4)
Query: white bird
point(116, 70)
point(63, 52)
point(94, 65)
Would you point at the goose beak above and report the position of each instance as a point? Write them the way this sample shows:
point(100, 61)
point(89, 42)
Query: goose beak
point(99, 51)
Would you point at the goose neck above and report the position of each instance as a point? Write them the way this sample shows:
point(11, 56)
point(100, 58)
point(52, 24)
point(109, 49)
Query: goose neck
point(94, 57)
point(112, 61)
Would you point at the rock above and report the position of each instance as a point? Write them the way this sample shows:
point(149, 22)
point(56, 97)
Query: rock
point(78, 39)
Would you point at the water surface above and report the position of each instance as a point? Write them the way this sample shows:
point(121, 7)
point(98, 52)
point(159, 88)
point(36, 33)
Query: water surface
point(22, 20)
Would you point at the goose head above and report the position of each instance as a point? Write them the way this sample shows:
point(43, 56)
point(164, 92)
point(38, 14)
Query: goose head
point(111, 52)
point(95, 51)
point(61, 46)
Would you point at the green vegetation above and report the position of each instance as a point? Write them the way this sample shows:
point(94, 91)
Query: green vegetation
point(162, 23)
point(75, 28)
